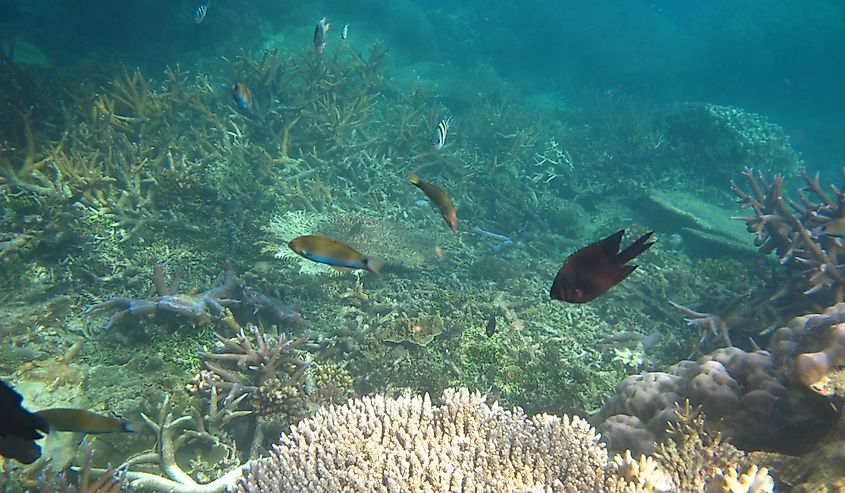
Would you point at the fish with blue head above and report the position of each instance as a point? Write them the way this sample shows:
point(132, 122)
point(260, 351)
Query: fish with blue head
point(242, 96)
point(334, 253)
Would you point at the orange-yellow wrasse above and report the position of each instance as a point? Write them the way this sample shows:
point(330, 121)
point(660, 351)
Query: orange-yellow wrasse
point(242, 96)
point(320, 35)
point(439, 198)
point(325, 250)
point(82, 421)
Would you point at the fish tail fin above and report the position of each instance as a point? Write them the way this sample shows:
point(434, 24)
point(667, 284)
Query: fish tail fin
point(413, 179)
point(635, 248)
point(133, 426)
point(374, 264)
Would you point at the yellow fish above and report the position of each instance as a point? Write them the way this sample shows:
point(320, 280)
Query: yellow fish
point(439, 198)
point(325, 250)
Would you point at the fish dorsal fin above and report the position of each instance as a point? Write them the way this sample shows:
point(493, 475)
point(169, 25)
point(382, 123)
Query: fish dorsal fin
point(611, 244)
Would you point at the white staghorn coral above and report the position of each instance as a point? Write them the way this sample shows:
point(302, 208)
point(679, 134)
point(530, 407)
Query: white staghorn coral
point(409, 444)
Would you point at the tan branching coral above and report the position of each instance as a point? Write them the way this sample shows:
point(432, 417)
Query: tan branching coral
point(755, 480)
point(692, 455)
point(410, 444)
point(644, 472)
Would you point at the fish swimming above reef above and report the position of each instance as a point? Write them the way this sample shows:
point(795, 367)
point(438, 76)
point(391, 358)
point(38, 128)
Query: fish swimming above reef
point(82, 421)
point(329, 251)
point(320, 35)
point(439, 198)
point(439, 139)
point(592, 270)
point(344, 33)
point(242, 96)
point(19, 428)
point(199, 14)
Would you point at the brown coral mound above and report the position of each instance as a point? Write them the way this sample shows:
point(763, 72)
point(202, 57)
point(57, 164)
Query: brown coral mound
point(409, 444)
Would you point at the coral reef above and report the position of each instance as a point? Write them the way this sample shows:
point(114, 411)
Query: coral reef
point(465, 444)
point(796, 232)
point(411, 444)
point(758, 399)
point(170, 436)
point(207, 307)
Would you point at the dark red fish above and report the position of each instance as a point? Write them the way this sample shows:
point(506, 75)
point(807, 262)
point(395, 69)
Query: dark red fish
point(594, 269)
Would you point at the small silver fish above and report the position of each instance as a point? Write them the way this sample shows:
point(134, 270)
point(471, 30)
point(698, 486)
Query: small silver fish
point(320, 35)
point(199, 14)
point(344, 32)
point(440, 133)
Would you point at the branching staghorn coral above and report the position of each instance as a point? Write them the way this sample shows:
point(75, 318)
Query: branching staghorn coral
point(263, 360)
point(718, 325)
point(691, 455)
point(172, 435)
point(795, 231)
point(464, 444)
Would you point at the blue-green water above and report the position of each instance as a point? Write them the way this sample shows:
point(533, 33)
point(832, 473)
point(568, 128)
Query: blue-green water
point(143, 210)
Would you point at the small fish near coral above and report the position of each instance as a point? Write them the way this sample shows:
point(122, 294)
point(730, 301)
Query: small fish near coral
point(334, 253)
point(592, 270)
point(439, 139)
point(320, 35)
point(439, 198)
point(199, 14)
point(242, 96)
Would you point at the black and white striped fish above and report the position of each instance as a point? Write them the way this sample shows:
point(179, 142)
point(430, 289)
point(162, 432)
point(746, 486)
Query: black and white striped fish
point(440, 133)
point(199, 14)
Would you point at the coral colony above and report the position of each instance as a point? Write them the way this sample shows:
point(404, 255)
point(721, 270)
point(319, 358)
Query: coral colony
point(452, 371)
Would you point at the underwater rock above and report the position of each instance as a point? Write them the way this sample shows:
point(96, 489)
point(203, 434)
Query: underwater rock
point(706, 226)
